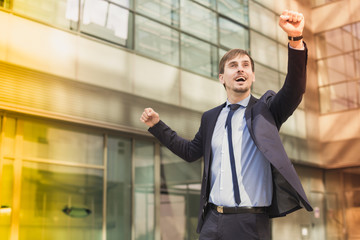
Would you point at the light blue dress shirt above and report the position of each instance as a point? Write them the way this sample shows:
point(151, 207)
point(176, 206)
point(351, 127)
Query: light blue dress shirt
point(252, 168)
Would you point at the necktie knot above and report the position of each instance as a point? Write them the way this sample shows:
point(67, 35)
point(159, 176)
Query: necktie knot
point(234, 107)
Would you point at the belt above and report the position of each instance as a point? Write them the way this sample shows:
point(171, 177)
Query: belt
point(222, 209)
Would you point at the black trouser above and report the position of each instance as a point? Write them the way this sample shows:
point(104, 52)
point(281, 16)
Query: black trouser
point(240, 226)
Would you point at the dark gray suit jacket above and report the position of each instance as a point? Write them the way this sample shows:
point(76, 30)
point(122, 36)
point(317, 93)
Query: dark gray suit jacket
point(264, 118)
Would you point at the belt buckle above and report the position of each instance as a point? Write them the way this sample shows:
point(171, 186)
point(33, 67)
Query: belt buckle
point(220, 209)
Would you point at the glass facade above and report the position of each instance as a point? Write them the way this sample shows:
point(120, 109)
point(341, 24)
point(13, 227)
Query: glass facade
point(188, 34)
point(192, 35)
point(61, 181)
point(338, 62)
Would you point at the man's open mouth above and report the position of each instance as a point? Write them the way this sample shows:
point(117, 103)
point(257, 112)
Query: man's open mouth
point(241, 79)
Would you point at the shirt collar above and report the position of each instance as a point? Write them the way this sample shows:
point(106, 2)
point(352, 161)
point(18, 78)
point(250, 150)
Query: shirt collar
point(243, 102)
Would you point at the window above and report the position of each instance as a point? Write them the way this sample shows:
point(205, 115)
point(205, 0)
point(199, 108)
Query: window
point(54, 198)
point(118, 205)
point(338, 68)
point(61, 143)
point(263, 20)
point(233, 35)
point(197, 20)
point(235, 9)
point(6, 200)
point(180, 195)
point(49, 11)
point(198, 56)
point(166, 11)
point(264, 50)
point(156, 40)
point(108, 21)
point(144, 219)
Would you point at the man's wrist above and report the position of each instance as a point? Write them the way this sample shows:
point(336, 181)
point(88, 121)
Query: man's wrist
point(297, 38)
point(296, 42)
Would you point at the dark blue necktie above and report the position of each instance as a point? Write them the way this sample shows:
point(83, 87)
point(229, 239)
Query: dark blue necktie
point(233, 108)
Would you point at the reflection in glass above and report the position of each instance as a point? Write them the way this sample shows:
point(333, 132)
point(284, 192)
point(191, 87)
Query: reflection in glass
point(208, 3)
point(283, 58)
point(263, 20)
point(336, 69)
point(144, 219)
point(107, 21)
point(51, 11)
point(317, 200)
point(47, 189)
point(338, 41)
point(235, 9)
point(156, 40)
point(356, 30)
point(357, 63)
point(338, 97)
point(266, 79)
point(197, 20)
point(8, 141)
point(198, 56)
point(165, 11)
point(180, 193)
point(6, 197)
point(62, 143)
point(233, 35)
point(118, 214)
point(264, 50)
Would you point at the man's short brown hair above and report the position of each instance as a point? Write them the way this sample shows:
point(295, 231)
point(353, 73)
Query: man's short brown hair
point(232, 54)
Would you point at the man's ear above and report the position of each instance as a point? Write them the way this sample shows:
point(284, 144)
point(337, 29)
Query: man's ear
point(221, 78)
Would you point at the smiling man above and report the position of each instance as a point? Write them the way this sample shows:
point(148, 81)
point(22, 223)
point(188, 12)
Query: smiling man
point(247, 176)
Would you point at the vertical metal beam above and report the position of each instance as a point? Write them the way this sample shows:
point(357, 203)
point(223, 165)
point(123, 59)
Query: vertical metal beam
point(132, 189)
point(15, 216)
point(105, 187)
point(157, 185)
point(2, 137)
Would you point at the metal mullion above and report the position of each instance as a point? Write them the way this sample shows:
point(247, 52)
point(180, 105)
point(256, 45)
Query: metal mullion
point(2, 137)
point(105, 186)
point(157, 184)
point(132, 189)
point(62, 163)
point(15, 215)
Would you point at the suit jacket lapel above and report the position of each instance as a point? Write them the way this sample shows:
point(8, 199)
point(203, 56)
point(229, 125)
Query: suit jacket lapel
point(210, 126)
point(248, 115)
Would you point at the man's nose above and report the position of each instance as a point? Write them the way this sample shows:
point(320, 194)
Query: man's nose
point(240, 69)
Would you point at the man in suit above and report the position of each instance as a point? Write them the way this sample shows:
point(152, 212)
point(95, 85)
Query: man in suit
point(247, 176)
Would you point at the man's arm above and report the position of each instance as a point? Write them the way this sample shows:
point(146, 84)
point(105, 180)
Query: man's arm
point(187, 150)
point(284, 103)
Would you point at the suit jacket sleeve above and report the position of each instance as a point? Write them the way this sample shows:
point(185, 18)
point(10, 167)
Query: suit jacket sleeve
point(285, 102)
point(188, 150)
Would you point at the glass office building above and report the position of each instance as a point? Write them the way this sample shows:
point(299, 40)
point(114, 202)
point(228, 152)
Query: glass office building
point(75, 76)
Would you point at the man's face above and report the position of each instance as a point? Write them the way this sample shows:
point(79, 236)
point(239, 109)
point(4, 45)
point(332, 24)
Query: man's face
point(238, 75)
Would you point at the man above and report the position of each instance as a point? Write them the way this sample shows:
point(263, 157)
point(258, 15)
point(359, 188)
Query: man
point(247, 176)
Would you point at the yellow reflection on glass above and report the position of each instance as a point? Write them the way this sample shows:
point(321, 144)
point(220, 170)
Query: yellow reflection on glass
point(46, 189)
point(7, 182)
